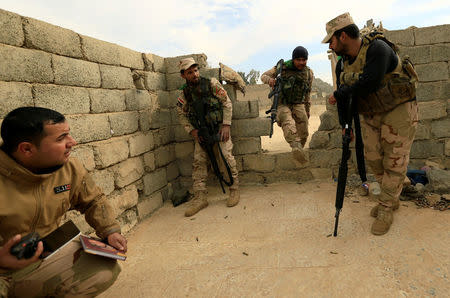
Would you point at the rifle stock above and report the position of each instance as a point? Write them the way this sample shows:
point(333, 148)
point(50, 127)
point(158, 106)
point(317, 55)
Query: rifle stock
point(275, 93)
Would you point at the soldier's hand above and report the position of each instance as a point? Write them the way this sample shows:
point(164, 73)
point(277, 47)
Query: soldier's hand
point(272, 82)
point(9, 261)
point(332, 100)
point(224, 133)
point(118, 241)
point(194, 133)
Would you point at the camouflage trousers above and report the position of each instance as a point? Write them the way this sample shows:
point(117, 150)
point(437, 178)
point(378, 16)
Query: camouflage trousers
point(294, 122)
point(69, 273)
point(200, 165)
point(387, 143)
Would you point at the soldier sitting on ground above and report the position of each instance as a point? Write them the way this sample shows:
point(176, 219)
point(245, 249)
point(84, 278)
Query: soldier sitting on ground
point(218, 116)
point(39, 183)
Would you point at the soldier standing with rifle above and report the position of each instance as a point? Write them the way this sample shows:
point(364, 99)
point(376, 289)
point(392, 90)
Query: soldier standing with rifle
point(382, 86)
point(294, 104)
point(205, 110)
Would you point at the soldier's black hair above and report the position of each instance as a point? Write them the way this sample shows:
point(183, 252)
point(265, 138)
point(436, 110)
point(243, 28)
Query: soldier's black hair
point(26, 124)
point(351, 30)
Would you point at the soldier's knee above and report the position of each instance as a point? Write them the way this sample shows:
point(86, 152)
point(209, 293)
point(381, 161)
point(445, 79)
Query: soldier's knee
point(106, 278)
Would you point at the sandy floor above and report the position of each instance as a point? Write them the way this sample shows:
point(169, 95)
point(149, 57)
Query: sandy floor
point(278, 144)
point(277, 243)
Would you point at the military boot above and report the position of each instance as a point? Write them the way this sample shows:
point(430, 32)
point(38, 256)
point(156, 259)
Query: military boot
point(303, 142)
point(298, 153)
point(198, 203)
point(374, 210)
point(234, 197)
point(383, 221)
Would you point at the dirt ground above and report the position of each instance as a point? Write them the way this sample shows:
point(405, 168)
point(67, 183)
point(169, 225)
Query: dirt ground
point(277, 242)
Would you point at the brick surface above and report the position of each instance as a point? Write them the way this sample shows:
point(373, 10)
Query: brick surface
point(100, 51)
point(319, 139)
point(64, 99)
point(245, 109)
point(123, 122)
point(11, 25)
point(440, 52)
point(174, 81)
point(325, 158)
point(173, 62)
point(432, 110)
point(246, 145)
point(127, 220)
point(155, 81)
point(140, 100)
point(436, 71)
point(423, 131)
point(128, 171)
point(172, 171)
point(285, 161)
point(185, 165)
point(401, 37)
point(123, 199)
point(164, 155)
point(250, 127)
point(149, 204)
point(81, 127)
point(104, 101)
point(104, 179)
point(441, 128)
point(24, 65)
point(110, 152)
point(447, 147)
point(141, 143)
point(115, 77)
point(259, 162)
point(432, 90)
point(155, 181)
point(433, 34)
point(163, 99)
point(418, 54)
point(74, 72)
point(328, 121)
point(149, 161)
point(14, 95)
point(318, 173)
point(130, 58)
point(85, 155)
point(50, 38)
point(426, 149)
point(184, 149)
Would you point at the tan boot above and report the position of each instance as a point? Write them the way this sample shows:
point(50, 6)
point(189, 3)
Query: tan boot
point(198, 203)
point(234, 197)
point(374, 210)
point(303, 142)
point(298, 153)
point(383, 221)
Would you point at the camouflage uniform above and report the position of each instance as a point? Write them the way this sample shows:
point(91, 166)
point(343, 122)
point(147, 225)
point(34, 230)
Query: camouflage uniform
point(292, 116)
point(199, 173)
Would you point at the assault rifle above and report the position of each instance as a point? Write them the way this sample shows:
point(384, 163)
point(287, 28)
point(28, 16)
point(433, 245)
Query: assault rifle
point(348, 113)
point(276, 95)
point(208, 137)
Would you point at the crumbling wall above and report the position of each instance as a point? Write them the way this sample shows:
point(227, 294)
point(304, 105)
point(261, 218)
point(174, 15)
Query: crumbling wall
point(429, 49)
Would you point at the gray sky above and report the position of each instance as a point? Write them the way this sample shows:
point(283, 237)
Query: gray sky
point(244, 35)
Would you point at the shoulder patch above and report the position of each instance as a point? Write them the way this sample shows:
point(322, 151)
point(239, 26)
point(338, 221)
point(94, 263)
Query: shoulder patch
point(288, 64)
point(180, 101)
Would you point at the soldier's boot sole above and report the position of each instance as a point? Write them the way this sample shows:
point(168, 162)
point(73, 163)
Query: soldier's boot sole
point(299, 155)
point(383, 221)
point(196, 206)
point(234, 198)
point(374, 210)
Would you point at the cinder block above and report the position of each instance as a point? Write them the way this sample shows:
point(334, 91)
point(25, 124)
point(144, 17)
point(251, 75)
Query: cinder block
point(210, 73)
point(148, 61)
point(231, 92)
point(426, 149)
point(259, 162)
point(251, 178)
point(141, 143)
point(104, 100)
point(149, 161)
point(149, 204)
point(116, 77)
point(185, 166)
point(110, 152)
point(436, 71)
point(163, 99)
point(325, 158)
point(447, 147)
point(164, 135)
point(418, 54)
point(12, 32)
point(432, 110)
point(164, 155)
point(246, 145)
point(328, 121)
point(155, 81)
point(184, 149)
point(172, 63)
point(24, 65)
point(85, 155)
point(104, 179)
point(128, 171)
point(88, 128)
point(127, 220)
point(285, 161)
point(155, 181)
point(401, 37)
point(140, 100)
point(440, 52)
point(173, 98)
point(165, 117)
point(51, 38)
point(174, 119)
point(441, 128)
point(130, 58)
point(288, 176)
point(319, 173)
point(254, 127)
point(100, 51)
point(423, 131)
point(64, 99)
point(123, 199)
point(245, 109)
point(74, 72)
point(174, 81)
point(181, 135)
point(432, 35)
point(123, 122)
point(145, 120)
point(172, 171)
point(319, 139)
point(14, 95)
point(432, 90)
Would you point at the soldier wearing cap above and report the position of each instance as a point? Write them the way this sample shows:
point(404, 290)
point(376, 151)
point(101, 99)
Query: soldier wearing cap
point(294, 107)
point(220, 109)
point(371, 72)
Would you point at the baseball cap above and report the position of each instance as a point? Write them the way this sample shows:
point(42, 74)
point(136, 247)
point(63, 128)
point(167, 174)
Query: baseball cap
point(336, 24)
point(186, 63)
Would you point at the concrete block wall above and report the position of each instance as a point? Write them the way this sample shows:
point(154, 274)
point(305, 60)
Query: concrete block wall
point(114, 98)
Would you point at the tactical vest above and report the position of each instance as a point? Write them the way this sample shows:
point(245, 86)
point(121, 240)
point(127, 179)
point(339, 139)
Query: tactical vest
point(295, 84)
point(396, 87)
point(213, 107)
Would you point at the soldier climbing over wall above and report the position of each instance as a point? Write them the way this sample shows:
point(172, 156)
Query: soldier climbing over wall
point(210, 94)
point(294, 106)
